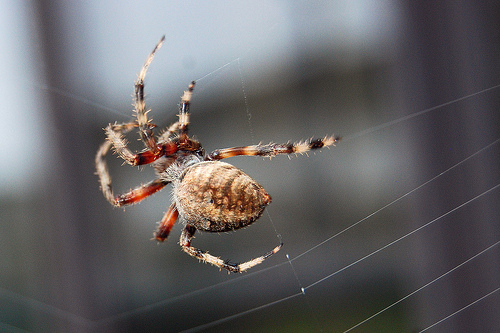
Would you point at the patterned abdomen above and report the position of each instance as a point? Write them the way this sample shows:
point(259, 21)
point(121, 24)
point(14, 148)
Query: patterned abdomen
point(216, 196)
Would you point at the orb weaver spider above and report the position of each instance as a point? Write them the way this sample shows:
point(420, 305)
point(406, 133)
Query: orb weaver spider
point(208, 195)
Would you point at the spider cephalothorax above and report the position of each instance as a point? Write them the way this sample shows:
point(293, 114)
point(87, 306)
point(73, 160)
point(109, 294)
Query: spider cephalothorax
point(208, 195)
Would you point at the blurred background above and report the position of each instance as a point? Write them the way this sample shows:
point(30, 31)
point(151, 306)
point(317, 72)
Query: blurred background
point(394, 78)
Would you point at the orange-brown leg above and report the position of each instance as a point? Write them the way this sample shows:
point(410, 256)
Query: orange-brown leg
point(133, 196)
point(273, 149)
point(166, 224)
point(118, 142)
point(140, 193)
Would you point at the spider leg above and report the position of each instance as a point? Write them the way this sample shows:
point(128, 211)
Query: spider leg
point(185, 241)
point(145, 127)
point(101, 165)
point(273, 149)
point(139, 193)
point(182, 124)
point(105, 179)
point(166, 224)
point(115, 138)
point(169, 133)
point(131, 197)
point(184, 110)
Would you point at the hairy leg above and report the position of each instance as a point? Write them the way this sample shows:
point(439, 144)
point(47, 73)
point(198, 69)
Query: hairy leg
point(273, 149)
point(185, 241)
point(115, 139)
point(184, 111)
point(145, 127)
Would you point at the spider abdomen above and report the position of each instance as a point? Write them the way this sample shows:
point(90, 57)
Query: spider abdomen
point(216, 196)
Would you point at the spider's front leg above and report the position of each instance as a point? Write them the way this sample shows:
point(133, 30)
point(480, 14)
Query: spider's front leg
point(114, 139)
point(185, 241)
point(115, 132)
point(145, 126)
point(184, 110)
point(273, 149)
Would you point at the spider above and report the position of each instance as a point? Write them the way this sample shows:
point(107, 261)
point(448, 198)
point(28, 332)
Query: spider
point(208, 195)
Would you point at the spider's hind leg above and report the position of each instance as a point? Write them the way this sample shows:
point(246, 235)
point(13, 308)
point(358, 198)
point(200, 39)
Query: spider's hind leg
point(185, 241)
point(166, 224)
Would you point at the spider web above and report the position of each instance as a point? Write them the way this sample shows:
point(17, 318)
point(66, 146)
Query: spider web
point(381, 250)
